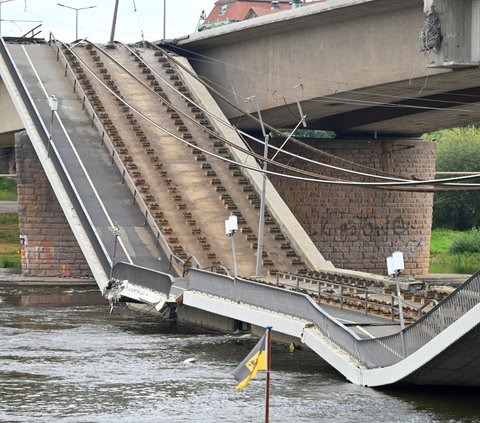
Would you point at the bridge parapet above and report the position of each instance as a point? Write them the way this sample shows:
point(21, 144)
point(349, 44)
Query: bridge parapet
point(378, 361)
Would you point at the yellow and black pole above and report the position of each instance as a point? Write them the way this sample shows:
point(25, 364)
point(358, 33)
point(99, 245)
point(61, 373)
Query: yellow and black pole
point(267, 388)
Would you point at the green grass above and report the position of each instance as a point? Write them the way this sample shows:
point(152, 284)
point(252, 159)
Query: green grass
point(442, 240)
point(8, 189)
point(9, 242)
point(443, 261)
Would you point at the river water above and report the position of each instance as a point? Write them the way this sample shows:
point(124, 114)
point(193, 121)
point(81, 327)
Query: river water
point(63, 357)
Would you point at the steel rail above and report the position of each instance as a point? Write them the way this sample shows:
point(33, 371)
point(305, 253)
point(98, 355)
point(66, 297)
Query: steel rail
point(137, 198)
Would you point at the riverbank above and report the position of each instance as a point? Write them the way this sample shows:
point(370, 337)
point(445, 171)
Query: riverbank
point(13, 277)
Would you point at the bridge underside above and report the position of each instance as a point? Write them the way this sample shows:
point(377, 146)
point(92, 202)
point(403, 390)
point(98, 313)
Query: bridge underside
point(409, 108)
point(445, 369)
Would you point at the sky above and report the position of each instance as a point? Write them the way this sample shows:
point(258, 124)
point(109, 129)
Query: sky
point(135, 17)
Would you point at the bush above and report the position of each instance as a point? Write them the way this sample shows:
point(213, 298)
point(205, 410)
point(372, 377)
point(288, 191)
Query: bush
point(458, 150)
point(467, 243)
point(8, 189)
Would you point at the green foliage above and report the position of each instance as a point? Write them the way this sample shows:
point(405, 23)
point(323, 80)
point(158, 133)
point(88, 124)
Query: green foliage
point(9, 219)
point(8, 262)
point(442, 239)
point(442, 260)
point(467, 263)
point(9, 243)
point(458, 150)
point(8, 189)
point(469, 242)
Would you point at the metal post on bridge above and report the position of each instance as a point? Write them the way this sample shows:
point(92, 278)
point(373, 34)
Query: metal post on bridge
point(261, 221)
point(53, 103)
point(231, 227)
point(114, 24)
point(77, 9)
point(164, 19)
point(115, 230)
point(395, 266)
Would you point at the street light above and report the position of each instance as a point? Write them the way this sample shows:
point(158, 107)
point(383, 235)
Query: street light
point(395, 266)
point(164, 18)
point(1, 2)
point(76, 15)
point(231, 226)
point(115, 231)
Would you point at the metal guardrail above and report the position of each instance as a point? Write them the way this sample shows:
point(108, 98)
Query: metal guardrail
point(269, 297)
point(146, 278)
point(351, 297)
point(372, 353)
point(137, 198)
point(459, 302)
point(56, 161)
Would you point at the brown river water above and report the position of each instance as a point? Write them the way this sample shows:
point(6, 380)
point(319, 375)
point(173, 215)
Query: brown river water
point(64, 358)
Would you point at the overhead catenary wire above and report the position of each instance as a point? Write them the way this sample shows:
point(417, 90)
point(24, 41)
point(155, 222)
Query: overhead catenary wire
point(469, 186)
point(278, 131)
point(315, 179)
point(256, 140)
point(249, 136)
point(226, 123)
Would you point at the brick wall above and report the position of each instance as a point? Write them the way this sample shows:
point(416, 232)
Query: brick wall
point(48, 245)
point(357, 228)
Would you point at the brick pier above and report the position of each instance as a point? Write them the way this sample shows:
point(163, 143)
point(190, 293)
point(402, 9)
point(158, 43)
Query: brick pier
point(48, 246)
point(358, 228)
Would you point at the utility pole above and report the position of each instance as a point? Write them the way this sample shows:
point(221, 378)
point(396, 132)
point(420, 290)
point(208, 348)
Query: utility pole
point(114, 23)
point(164, 19)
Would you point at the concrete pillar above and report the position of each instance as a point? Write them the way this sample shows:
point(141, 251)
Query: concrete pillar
point(48, 246)
point(475, 31)
point(358, 228)
point(458, 33)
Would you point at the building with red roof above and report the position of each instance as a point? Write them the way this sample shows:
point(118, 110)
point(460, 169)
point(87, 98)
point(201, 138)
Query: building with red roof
point(230, 11)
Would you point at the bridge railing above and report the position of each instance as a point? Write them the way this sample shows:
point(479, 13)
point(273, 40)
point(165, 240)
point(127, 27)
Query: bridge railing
point(146, 278)
point(418, 334)
point(378, 352)
point(275, 299)
point(360, 299)
point(56, 161)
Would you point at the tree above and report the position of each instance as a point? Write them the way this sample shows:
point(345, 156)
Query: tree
point(458, 150)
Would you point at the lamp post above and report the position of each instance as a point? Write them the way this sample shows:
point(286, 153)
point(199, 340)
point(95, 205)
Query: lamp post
point(395, 266)
point(231, 226)
point(53, 103)
point(164, 18)
point(76, 15)
point(1, 2)
point(114, 24)
point(115, 231)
